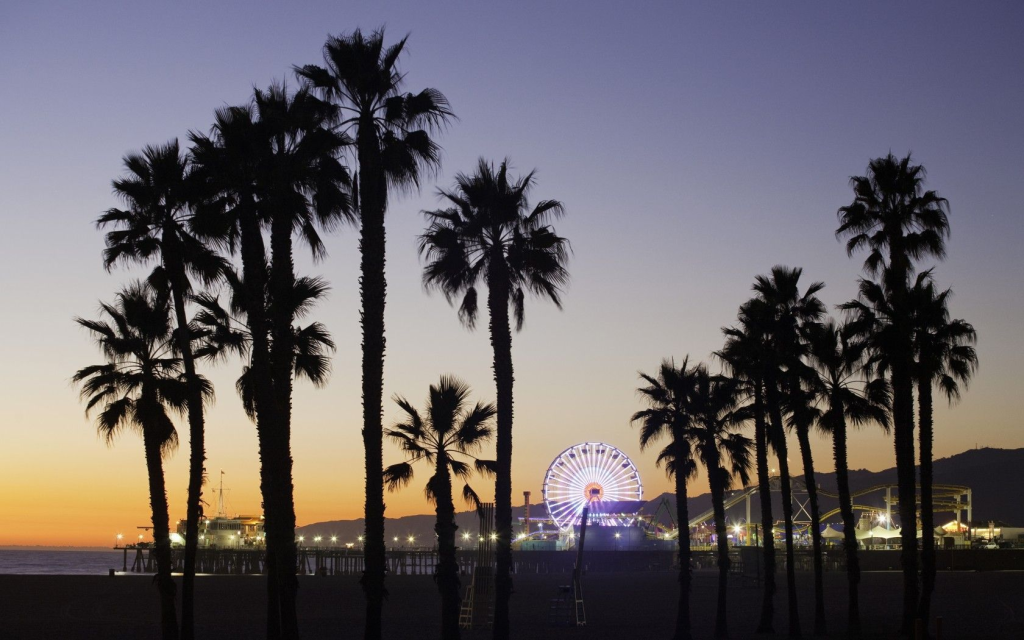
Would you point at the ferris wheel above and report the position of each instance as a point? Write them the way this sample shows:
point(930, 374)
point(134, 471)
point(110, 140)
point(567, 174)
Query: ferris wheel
point(585, 472)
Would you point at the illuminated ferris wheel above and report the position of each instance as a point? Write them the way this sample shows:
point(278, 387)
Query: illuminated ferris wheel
point(590, 470)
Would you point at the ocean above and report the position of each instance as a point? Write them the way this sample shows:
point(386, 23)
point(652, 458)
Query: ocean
point(60, 562)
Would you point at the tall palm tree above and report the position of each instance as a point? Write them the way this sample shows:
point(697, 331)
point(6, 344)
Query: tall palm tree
point(898, 222)
point(801, 416)
point(724, 453)
point(780, 310)
point(392, 132)
point(449, 432)
point(745, 356)
point(155, 226)
point(228, 165)
point(273, 164)
point(945, 358)
point(305, 188)
point(668, 397)
point(845, 397)
point(490, 232)
point(137, 388)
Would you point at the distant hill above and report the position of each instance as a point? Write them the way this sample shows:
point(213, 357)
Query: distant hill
point(995, 476)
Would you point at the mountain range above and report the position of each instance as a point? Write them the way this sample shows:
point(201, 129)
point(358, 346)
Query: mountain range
point(995, 476)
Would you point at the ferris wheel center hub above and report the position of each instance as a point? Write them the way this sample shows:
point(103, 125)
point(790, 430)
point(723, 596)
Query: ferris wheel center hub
point(593, 491)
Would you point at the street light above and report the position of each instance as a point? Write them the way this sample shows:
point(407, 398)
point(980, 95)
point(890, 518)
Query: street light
point(118, 543)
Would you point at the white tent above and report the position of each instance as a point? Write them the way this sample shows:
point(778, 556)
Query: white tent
point(831, 533)
point(881, 532)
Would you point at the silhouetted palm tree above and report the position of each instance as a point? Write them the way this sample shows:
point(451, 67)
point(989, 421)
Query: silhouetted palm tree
point(845, 397)
point(392, 133)
point(780, 311)
point(491, 233)
point(945, 358)
point(745, 355)
point(668, 396)
point(135, 389)
point(444, 436)
point(273, 164)
point(801, 416)
point(228, 163)
point(155, 226)
point(224, 331)
point(898, 222)
point(716, 405)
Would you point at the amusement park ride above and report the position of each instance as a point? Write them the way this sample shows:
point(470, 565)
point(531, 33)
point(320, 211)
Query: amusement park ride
point(597, 483)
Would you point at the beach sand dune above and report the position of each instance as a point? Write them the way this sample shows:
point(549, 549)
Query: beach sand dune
point(619, 605)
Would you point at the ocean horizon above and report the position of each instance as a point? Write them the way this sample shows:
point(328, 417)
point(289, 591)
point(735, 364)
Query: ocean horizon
point(60, 561)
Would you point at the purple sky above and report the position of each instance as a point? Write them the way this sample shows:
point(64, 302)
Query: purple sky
point(694, 147)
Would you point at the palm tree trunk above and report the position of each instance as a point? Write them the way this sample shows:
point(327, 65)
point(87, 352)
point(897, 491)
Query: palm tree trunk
point(282, 279)
point(448, 582)
point(924, 400)
point(849, 527)
point(161, 537)
point(903, 437)
point(764, 492)
point(372, 290)
point(718, 505)
point(196, 430)
point(903, 428)
point(778, 439)
point(501, 342)
point(254, 274)
point(812, 497)
point(683, 518)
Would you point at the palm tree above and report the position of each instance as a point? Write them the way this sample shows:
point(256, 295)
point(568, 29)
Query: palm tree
point(780, 311)
point(801, 416)
point(717, 411)
point(945, 358)
point(490, 232)
point(392, 132)
point(845, 398)
point(228, 166)
point(273, 163)
point(668, 397)
point(137, 388)
point(744, 354)
point(448, 433)
point(305, 188)
point(224, 331)
point(898, 222)
point(154, 226)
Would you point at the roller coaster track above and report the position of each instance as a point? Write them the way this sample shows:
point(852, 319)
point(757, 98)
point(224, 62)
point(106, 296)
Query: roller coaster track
point(944, 499)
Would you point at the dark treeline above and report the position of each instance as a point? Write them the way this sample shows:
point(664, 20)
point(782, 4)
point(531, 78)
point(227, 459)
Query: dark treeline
point(222, 218)
point(790, 368)
point(219, 224)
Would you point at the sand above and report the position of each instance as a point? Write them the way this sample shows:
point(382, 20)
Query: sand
point(619, 605)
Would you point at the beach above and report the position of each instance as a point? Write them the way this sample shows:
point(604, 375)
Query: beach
point(619, 605)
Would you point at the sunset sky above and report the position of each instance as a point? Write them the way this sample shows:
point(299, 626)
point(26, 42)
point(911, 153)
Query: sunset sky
point(694, 148)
